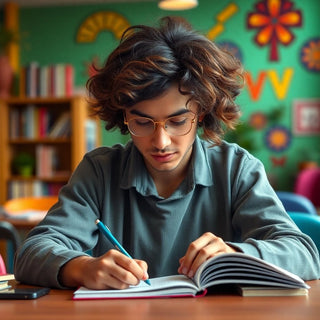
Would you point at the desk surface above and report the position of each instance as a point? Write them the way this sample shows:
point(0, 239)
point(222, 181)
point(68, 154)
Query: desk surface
point(58, 305)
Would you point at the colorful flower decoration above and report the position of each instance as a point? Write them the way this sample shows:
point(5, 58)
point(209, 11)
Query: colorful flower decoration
point(310, 55)
point(258, 120)
point(273, 19)
point(278, 138)
point(278, 161)
point(232, 48)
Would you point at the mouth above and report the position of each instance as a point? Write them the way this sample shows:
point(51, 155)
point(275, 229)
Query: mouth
point(160, 157)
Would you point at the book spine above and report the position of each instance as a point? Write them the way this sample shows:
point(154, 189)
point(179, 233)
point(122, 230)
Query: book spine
point(69, 80)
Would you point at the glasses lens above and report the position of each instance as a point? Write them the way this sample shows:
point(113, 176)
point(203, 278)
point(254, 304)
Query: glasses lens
point(178, 126)
point(175, 126)
point(141, 126)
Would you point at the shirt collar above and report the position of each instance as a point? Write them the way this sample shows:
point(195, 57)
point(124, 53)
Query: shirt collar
point(135, 174)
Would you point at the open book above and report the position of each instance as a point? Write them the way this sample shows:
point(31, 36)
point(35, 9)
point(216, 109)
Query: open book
point(231, 268)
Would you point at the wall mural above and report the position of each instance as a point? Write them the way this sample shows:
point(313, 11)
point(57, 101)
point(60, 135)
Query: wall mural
point(93, 25)
point(101, 21)
point(310, 55)
point(280, 84)
point(274, 19)
point(221, 18)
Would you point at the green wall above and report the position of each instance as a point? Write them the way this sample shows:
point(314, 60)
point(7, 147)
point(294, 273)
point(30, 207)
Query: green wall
point(49, 36)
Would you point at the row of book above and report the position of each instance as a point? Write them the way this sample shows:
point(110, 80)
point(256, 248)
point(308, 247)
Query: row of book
point(38, 122)
point(33, 188)
point(46, 161)
point(55, 80)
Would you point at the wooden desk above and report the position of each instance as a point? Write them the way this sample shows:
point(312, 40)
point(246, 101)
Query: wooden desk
point(59, 306)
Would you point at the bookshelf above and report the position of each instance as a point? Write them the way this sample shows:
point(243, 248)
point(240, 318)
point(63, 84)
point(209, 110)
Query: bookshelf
point(54, 132)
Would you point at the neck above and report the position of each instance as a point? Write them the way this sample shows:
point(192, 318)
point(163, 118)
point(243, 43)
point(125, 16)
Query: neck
point(167, 182)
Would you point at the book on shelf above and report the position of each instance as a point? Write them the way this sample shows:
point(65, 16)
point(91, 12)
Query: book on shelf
point(91, 134)
point(33, 188)
point(34, 122)
point(46, 160)
point(226, 269)
point(56, 80)
point(30, 122)
point(61, 127)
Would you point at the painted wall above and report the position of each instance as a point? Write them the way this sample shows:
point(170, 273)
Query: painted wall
point(276, 75)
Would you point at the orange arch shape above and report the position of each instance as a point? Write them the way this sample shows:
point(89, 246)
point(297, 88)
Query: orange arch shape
point(101, 21)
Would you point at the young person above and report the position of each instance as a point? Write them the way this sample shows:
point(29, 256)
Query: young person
point(171, 199)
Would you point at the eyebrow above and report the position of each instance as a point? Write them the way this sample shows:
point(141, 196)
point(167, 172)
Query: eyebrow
point(141, 114)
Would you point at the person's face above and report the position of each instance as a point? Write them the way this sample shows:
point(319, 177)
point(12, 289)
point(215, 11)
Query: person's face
point(162, 151)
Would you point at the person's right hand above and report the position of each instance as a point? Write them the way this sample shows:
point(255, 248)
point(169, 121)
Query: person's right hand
point(111, 270)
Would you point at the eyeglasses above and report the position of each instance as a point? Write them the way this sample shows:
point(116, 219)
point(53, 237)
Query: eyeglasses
point(174, 126)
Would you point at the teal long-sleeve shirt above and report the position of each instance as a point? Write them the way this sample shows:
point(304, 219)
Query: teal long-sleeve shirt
point(225, 192)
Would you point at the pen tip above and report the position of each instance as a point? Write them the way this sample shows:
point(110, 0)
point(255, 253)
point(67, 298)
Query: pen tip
point(147, 282)
point(97, 221)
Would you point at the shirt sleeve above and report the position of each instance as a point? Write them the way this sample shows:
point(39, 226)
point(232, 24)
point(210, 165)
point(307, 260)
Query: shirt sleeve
point(67, 231)
point(266, 230)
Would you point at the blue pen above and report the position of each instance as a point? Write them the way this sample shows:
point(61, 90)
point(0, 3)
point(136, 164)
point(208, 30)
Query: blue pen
point(106, 231)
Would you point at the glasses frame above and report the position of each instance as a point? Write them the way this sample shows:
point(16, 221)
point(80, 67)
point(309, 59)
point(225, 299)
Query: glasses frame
point(162, 123)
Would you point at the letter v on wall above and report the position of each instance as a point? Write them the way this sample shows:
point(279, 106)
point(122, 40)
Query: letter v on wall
point(255, 88)
point(281, 87)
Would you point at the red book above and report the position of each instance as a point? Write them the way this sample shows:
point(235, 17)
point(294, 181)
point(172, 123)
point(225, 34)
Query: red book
point(69, 82)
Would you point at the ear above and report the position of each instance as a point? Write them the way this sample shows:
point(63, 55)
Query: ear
point(200, 118)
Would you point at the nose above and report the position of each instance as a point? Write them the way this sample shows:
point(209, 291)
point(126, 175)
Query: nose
point(160, 137)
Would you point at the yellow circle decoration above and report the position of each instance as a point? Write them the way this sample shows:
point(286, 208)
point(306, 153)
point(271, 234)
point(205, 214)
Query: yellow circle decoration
point(101, 21)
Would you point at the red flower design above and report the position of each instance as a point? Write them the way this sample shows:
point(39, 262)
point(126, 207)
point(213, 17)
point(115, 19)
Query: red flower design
point(273, 19)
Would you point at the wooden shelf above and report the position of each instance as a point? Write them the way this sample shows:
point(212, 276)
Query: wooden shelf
point(39, 140)
point(55, 178)
point(68, 150)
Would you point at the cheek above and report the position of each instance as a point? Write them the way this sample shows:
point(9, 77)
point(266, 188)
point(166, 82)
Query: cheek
point(140, 143)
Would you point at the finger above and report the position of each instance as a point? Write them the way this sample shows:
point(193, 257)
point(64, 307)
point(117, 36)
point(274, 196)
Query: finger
point(209, 251)
point(215, 247)
point(193, 250)
point(134, 270)
point(101, 273)
point(116, 267)
point(181, 261)
point(144, 267)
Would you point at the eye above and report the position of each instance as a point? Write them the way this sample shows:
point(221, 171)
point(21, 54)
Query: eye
point(177, 121)
point(144, 122)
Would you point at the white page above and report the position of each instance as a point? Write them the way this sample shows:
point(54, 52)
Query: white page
point(177, 284)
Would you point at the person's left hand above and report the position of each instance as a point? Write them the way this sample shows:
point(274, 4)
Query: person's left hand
point(200, 250)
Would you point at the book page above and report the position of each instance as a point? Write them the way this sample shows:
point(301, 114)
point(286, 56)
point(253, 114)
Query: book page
point(242, 268)
point(161, 286)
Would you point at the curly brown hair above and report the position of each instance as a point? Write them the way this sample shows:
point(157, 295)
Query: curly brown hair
point(149, 60)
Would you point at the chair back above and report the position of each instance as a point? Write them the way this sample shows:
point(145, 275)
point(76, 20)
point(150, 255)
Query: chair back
point(308, 224)
point(296, 203)
point(3, 269)
point(308, 184)
point(30, 203)
point(10, 234)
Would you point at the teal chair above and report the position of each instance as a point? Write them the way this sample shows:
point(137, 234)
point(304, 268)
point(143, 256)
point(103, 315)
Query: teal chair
point(308, 224)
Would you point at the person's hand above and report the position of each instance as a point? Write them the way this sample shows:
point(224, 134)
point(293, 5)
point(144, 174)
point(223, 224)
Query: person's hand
point(111, 270)
point(200, 250)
